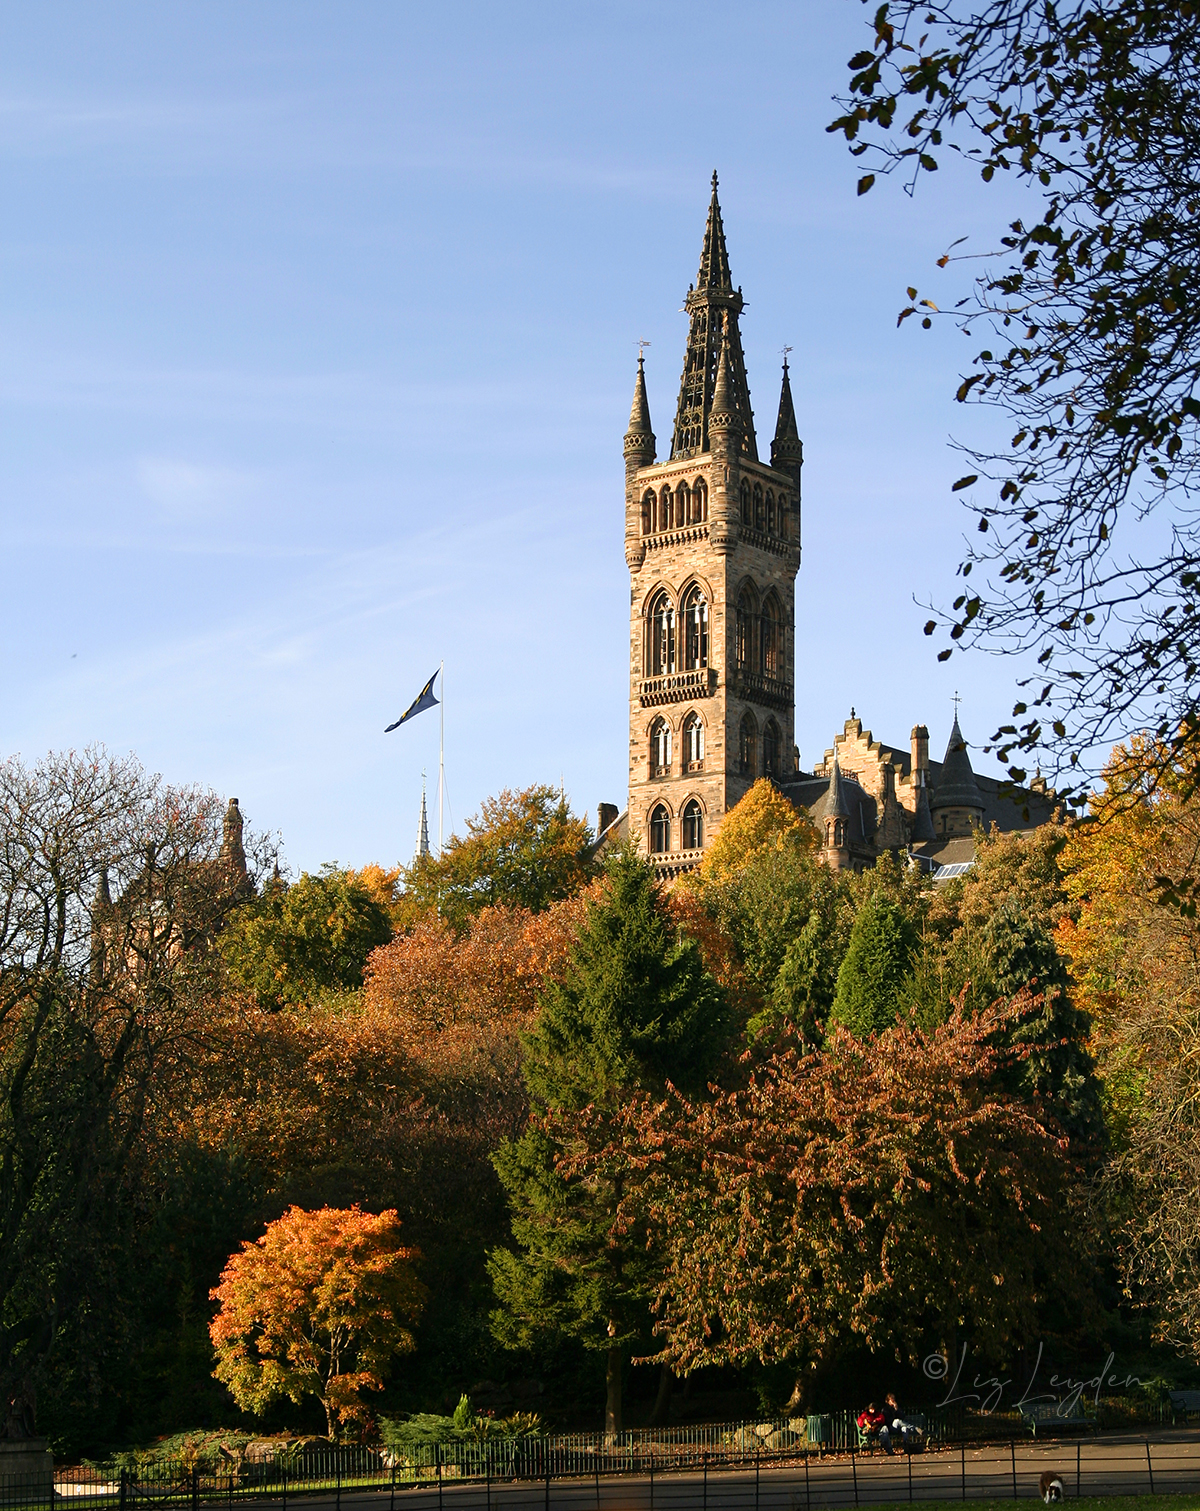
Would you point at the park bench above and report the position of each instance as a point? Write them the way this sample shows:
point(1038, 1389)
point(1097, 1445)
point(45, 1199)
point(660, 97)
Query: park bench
point(868, 1440)
point(1185, 1403)
point(1051, 1414)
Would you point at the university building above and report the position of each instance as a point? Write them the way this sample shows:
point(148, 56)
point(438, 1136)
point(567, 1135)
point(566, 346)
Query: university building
point(712, 541)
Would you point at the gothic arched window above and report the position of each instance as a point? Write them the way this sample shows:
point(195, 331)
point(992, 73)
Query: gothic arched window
point(768, 638)
point(747, 745)
point(660, 748)
point(772, 742)
point(683, 505)
point(693, 827)
point(770, 512)
point(662, 636)
point(783, 514)
point(660, 831)
point(700, 500)
point(746, 611)
point(758, 506)
point(747, 517)
point(648, 512)
point(695, 630)
point(693, 744)
point(664, 510)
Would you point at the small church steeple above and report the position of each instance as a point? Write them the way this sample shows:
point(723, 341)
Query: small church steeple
point(422, 851)
point(714, 306)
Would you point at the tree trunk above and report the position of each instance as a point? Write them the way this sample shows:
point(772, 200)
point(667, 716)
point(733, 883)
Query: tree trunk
point(796, 1399)
point(612, 1406)
point(662, 1402)
point(329, 1423)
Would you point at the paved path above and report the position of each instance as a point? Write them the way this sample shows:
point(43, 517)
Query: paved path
point(1111, 1465)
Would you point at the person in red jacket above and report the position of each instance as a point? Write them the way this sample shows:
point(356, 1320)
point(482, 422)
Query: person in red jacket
point(870, 1421)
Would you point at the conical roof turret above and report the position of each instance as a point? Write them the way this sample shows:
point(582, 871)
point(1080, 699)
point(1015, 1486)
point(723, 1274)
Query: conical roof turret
point(724, 415)
point(785, 448)
point(713, 305)
point(922, 829)
point(639, 438)
point(834, 804)
point(956, 786)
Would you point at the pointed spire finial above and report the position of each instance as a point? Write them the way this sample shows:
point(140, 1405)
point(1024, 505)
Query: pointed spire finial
point(785, 446)
point(723, 415)
point(714, 306)
point(639, 438)
point(422, 852)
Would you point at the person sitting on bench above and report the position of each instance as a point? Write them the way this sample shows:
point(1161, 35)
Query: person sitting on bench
point(894, 1426)
point(870, 1423)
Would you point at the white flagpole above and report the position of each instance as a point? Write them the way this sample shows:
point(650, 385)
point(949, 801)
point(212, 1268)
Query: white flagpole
point(441, 756)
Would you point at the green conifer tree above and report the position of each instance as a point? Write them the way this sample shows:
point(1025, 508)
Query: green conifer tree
point(637, 1009)
point(877, 962)
point(1056, 1066)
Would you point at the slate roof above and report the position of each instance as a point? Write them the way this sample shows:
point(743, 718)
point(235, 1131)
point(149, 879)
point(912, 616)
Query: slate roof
point(956, 786)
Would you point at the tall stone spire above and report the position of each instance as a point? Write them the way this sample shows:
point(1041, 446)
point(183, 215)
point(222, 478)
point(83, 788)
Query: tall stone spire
point(639, 438)
point(713, 305)
point(422, 852)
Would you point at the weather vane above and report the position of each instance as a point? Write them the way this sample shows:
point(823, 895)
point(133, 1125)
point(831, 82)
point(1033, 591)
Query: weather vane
point(956, 700)
point(641, 346)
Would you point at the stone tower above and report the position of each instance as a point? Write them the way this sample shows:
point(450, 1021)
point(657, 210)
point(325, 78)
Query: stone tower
point(712, 539)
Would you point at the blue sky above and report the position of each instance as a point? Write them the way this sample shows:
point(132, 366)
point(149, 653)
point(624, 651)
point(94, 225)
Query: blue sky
point(317, 341)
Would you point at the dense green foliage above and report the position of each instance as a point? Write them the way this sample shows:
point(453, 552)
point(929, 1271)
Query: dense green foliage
point(298, 941)
point(582, 1115)
point(875, 967)
point(635, 1011)
point(525, 849)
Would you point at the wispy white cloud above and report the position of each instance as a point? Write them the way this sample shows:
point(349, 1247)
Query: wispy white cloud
point(188, 490)
point(42, 125)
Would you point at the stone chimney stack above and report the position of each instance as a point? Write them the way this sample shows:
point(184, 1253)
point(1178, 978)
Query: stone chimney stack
point(606, 814)
point(920, 751)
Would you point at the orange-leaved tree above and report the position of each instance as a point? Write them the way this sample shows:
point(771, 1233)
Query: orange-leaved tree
point(318, 1306)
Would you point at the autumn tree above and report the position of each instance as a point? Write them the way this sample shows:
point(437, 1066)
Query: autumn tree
point(880, 1191)
point(1086, 519)
point(761, 820)
point(523, 849)
point(1134, 962)
point(785, 916)
point(320, 1306)
point(113, 887)
point(635, 1009)
point(296, 942)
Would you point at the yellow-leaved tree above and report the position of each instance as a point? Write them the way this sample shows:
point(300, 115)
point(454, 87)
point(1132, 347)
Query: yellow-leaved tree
point(763, 819)
point(320, 1305)
point(1134, 950)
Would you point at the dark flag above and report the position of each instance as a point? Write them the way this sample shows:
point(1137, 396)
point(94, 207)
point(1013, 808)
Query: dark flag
point(423, 700)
